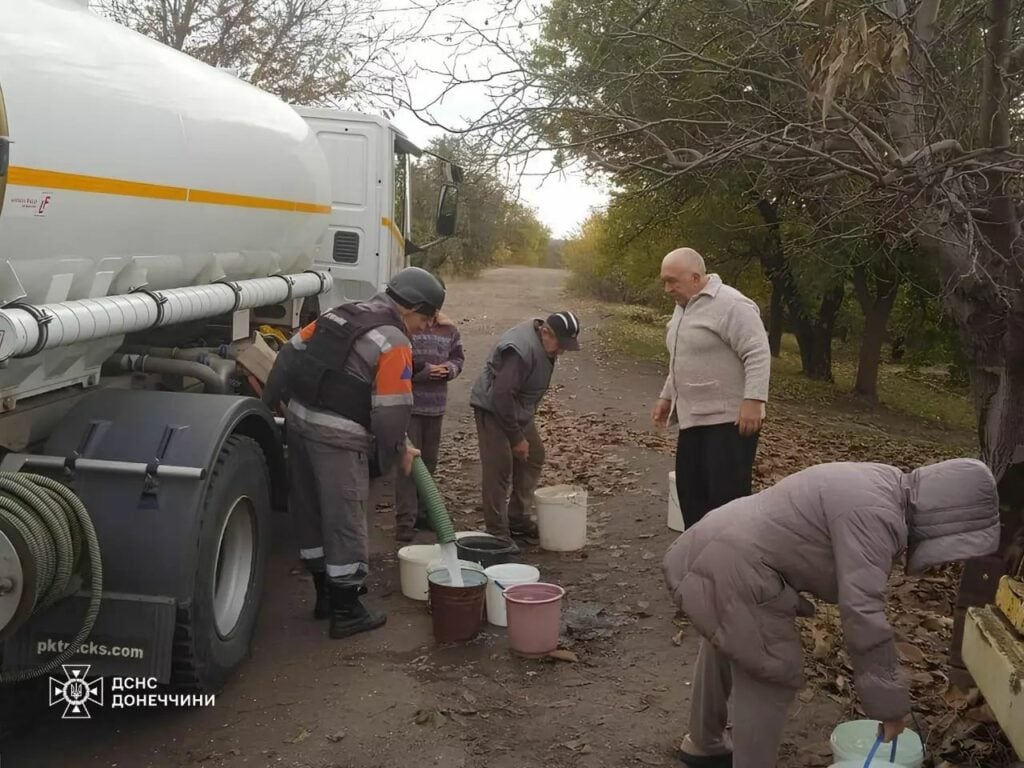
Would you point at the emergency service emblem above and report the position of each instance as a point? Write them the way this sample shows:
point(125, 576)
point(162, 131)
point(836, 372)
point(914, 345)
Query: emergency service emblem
point(76, 692)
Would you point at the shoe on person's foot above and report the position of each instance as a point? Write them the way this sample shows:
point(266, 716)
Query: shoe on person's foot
point(526, 529)
point(706, 761)
point(404, 534)
point(695, 757)
point(423, 523)
point(349, 616)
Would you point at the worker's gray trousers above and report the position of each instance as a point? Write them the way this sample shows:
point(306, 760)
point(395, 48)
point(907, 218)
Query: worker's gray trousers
point(502, 472)
point(328, 491)
point(759, 711)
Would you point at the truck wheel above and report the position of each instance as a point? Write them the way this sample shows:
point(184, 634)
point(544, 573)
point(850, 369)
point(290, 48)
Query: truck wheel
point(214, 632)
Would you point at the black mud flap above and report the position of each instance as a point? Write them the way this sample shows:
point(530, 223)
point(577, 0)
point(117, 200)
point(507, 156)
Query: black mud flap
point(133, 637)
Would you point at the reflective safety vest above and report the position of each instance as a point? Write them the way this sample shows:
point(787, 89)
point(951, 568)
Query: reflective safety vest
point(318, 377)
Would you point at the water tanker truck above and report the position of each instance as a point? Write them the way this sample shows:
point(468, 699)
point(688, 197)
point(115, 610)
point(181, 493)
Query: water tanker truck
point(157, 217)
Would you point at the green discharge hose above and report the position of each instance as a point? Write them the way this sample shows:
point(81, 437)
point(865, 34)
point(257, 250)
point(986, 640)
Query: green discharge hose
point(57, 530)
point(427, 489)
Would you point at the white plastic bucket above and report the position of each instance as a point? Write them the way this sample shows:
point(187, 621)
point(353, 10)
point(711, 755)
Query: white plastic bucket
point(562, 517)
point(852, 742)
point(412, 568)
point(506, 574)
point(675, 512)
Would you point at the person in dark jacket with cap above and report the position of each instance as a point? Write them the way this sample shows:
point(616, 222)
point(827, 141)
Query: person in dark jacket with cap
point(505, 399)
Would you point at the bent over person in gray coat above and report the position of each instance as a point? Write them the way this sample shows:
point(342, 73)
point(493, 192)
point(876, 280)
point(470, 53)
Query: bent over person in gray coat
point(835, 532)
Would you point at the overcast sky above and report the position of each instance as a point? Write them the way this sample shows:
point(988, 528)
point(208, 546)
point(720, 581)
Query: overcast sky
point(562, 200)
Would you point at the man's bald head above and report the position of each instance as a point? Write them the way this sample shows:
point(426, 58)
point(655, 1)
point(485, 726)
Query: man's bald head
point(684, 274)
point(686, 259)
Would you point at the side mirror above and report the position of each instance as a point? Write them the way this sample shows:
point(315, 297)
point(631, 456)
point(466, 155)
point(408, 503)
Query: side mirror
point(447, 208)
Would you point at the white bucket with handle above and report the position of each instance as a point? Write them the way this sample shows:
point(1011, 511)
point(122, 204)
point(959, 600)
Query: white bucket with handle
point(675, 512)
point(499, 578)
point(412, 568)
point(856, 744)
point(562, 517)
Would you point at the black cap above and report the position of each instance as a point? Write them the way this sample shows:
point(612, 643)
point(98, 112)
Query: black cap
point(566, 327)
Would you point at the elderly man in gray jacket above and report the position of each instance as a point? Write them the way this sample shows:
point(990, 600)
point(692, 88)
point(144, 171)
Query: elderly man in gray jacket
point(717, 384)
point(834, 531)
point(505, 399)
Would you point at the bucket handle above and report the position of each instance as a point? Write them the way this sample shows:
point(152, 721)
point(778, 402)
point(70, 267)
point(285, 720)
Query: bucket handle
point(874, 749)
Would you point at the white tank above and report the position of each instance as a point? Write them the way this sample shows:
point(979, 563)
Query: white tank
point(132, 164)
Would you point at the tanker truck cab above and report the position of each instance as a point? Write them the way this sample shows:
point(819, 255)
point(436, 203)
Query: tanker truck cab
point(368, 237)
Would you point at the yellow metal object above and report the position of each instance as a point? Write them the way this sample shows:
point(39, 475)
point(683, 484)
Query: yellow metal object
point(276, 333)
point(1010, 601)
point(994, 655)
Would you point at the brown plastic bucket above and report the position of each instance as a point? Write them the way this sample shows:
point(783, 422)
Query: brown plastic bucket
point(457, 612)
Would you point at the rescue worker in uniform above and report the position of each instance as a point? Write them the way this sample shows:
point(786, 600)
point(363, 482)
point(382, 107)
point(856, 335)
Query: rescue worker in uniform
point(347, 380)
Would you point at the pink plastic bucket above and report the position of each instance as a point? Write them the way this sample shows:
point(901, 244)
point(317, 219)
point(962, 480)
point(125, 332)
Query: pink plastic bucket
point(534, 618)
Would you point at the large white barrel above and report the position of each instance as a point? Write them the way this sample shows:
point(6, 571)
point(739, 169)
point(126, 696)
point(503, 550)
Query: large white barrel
point(134, 164)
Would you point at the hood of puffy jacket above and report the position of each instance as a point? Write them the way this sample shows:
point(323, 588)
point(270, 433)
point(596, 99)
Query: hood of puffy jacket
point(952, 513)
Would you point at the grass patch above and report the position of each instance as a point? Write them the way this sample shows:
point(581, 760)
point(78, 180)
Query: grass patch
point(921, 395)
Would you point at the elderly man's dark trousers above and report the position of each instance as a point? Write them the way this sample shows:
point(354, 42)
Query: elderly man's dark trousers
point(714, 465)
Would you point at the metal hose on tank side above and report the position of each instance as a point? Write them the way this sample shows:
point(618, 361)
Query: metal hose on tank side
point(427, 489)
point(58, 533)
point(214, 381)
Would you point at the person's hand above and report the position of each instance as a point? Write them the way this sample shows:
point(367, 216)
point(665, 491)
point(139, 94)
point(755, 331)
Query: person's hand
point(659, 413)
point(439, 371)
point(521, 450)
point(890, 729)
point(408, 457)
point(750, 418)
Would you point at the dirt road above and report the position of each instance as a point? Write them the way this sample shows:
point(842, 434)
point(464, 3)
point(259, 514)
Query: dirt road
point(394, 698)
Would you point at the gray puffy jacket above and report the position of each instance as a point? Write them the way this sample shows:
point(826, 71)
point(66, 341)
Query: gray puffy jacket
point(834, 531)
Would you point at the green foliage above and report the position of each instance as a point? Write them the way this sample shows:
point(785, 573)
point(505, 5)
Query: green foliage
point(903, 391)
point(923, 335)
point(616, 256)
point(492, 227)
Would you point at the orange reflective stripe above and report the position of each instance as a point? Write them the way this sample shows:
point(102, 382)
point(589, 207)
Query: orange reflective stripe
point(394, 372)
point(103, 185)
point(307, 331)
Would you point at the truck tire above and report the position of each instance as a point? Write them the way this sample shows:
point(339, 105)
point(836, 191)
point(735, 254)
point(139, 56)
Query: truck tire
point(214, 632)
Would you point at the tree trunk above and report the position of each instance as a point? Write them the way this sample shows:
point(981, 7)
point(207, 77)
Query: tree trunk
point(813, 334)
point(877, 308)
point(776, 319)
point(988, 308)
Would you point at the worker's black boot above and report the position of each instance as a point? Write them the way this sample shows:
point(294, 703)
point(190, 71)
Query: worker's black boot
point(524, 528)
point(348, 615)
point(322, 608)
